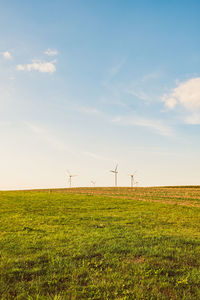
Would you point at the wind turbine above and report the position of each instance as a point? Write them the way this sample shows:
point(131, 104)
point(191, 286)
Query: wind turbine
point(70, 178)
point(132, 178)
point(115, 172)
point(93, 182)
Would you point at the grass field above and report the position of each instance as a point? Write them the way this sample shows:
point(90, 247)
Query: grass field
point(100, 243)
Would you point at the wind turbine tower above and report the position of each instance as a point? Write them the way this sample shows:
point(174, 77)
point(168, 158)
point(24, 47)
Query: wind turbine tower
point(115, 172)
point(132, 178)
point(93, 183)
point(70, 178)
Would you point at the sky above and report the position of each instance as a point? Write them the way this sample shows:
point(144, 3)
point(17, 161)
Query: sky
point(86, 85)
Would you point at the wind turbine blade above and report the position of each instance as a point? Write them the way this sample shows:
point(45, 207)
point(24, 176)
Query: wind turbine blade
point(116, 168)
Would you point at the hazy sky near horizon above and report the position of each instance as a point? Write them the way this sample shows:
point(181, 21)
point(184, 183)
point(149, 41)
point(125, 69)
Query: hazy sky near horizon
point(85, 85)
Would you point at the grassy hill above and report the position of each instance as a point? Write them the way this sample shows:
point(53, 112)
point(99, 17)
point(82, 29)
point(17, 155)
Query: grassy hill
point(100, 243)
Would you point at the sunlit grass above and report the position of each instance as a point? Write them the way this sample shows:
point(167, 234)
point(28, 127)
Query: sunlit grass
point(100, 244)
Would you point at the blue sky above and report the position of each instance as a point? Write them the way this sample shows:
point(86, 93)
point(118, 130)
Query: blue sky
point(85, 85)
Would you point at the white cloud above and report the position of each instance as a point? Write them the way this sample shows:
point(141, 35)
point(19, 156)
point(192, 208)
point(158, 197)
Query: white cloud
point(21, 67)
point(7, 55)
point(51, 52)
point(40, 66)
point(156, 125)
point(186, 93)
point(170, 102)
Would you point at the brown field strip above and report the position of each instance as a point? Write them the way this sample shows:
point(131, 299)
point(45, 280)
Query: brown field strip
point(184, 196)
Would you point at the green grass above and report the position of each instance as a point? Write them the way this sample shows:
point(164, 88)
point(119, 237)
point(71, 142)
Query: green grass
point(101, 243)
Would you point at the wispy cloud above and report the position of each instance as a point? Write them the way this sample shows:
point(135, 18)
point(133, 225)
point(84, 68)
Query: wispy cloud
point(35, 128)
point(87, 110)
point(46, 136)
point(116, 69)
point(5, 123)
point(113, 71)
point(138, 92)
point(51, 52)
point(156, 126)
point(97, 156)
point(142, 88)
point(193, 119)
point(7, 55)
point(38, 65)
point(151, 76)
point(186, 94)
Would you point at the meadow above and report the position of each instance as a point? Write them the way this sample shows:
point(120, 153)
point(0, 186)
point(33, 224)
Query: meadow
point(100, 243)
